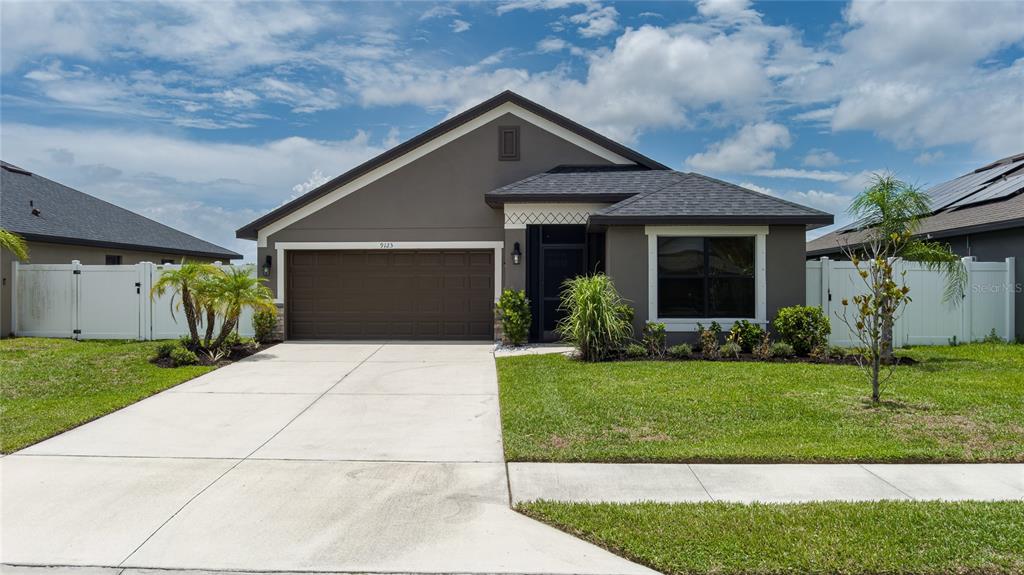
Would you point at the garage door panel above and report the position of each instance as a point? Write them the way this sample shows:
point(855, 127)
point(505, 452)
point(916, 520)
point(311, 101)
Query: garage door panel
point(392, 294)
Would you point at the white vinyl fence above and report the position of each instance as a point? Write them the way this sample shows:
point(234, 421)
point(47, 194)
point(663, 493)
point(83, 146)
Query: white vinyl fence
point(988, 302)
point(97, 302)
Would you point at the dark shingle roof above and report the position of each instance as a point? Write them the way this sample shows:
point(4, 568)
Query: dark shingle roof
point(989, 198)
point(658, 196)
point(581, 184)
point(66, 215)
point(250, 230)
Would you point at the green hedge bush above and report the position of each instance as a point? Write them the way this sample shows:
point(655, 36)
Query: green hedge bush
point(514, 308)
point(803, 327)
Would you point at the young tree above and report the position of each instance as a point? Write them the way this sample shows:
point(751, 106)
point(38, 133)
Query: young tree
point(14, 243)
point(184, 283)
point(234, 289)
point(890, 213)
point(875, 311)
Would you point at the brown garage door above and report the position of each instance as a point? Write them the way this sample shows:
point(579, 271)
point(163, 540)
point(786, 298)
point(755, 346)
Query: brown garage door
point(391, 294)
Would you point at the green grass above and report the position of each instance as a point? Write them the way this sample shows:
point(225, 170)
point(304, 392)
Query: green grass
point(959, 404)
point(51, 385)
point(808, 538)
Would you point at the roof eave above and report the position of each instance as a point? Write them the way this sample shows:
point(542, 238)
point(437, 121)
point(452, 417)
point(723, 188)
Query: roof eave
point(812, 222)
point(250, 230)
point(935, 235)
point(44, 238)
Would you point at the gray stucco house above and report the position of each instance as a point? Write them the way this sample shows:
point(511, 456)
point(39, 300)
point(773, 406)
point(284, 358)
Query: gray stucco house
point(418, 242)
point(61, 224)
point(979, 214)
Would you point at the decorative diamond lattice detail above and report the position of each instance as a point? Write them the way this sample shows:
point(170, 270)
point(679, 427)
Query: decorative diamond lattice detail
point(549, 217)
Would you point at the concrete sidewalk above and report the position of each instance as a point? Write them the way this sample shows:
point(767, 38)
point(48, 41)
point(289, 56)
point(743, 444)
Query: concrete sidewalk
point(625, 483)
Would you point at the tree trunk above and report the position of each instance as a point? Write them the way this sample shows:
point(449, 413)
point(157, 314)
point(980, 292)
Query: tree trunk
point(190, 314)
point(211, 317)
point(876, 364)
point(886, 347)
point(225, 331)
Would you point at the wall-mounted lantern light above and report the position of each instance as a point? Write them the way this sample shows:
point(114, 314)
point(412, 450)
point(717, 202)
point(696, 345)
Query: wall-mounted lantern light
point(266, 266)
point(516, 254)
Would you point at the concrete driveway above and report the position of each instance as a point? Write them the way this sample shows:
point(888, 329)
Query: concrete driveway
point(306, 457)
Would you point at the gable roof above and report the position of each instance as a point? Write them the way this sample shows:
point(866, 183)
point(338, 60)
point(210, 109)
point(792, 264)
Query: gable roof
point(657, 197)
point(988, 198)
point(249, 231)
point(68, 216)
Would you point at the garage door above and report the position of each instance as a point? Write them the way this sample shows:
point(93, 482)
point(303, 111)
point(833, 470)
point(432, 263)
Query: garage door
point(390, 294)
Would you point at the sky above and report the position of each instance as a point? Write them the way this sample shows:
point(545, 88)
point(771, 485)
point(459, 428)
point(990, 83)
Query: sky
point(206, 115)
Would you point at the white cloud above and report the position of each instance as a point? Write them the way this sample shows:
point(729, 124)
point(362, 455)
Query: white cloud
point(460, 26)
point(597, 21)
point(826, 201)
point(821, 159)
point(316, 179)
point(728, 11)
point(818, 115)
point(751, 148)
point(207, 189)
point(302, 99)
point(757, 188)
point(925, 158)
point(551, 44)
point(439, 11)
point(820, 175)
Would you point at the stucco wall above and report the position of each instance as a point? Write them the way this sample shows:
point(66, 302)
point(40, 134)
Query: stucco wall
point(439, 197)
point(514, 276)
point(994, 247)
point(47, 253)
point(784, 253)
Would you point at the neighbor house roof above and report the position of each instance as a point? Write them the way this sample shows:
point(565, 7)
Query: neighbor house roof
point(986, 199)
point(657, 197)
point(249, 231)
point(42, 210)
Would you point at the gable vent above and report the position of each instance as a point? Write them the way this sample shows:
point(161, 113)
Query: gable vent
point(508, 143)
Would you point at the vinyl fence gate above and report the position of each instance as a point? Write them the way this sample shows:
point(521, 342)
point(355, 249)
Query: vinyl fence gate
point(987, 305)
point(97, 302)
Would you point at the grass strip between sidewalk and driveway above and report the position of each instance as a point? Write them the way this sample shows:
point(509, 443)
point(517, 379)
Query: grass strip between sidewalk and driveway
point(924, 538)
point(51, 385)
point(959, 404)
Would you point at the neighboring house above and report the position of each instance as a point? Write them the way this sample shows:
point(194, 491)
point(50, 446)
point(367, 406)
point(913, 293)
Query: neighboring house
point(979, 214)
point(61, 224)
point(418, 242)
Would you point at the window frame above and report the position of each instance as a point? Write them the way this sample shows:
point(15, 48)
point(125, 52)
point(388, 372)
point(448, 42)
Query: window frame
point(107, 257)
point(673, 324)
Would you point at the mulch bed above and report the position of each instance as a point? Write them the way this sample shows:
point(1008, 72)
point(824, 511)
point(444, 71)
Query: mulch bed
point(749, 357)
point(237, 352)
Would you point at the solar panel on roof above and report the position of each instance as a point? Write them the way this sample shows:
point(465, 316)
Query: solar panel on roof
point(959, 189)
point(994, 191)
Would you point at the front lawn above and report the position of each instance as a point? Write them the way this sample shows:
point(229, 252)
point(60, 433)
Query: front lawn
point(958, 404)
point(923, 538)
point(51, 385)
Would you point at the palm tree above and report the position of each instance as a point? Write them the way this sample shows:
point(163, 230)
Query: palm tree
point(236, 289)
point(186, 283)
point(890, 213)
point(14, 243)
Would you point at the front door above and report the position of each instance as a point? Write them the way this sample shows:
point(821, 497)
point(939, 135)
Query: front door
point(555, 253)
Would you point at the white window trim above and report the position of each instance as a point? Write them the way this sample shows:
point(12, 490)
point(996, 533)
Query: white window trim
point(282, 247)
point(759, 233)
point(507, 108)
point(547, 213)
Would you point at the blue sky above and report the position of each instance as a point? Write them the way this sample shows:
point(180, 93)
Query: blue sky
point(206, 115)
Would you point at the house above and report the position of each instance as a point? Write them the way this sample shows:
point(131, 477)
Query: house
point(61, 224)
point(979, 214)
point(418, 242)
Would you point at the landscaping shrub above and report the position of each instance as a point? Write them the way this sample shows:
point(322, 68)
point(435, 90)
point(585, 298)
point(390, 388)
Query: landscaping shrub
point(782, 349)
point(515, 316)
point(731, 349)
point(164, 349)
point(263, 323)
point(803, 327)
point(595, 321)
point(821, 353)
point(654, 338)
point(992, 337)
point(681, 351)
point(183, 356)
point(763, 349)
point(636, 351)
point(708, 339)
point(746, 334)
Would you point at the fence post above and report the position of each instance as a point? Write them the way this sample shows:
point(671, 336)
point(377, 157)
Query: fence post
point(967, 311)
point(15, 265)
point(145, 277)
point(1011, 299)
point(76, 285)
point(826, 272)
